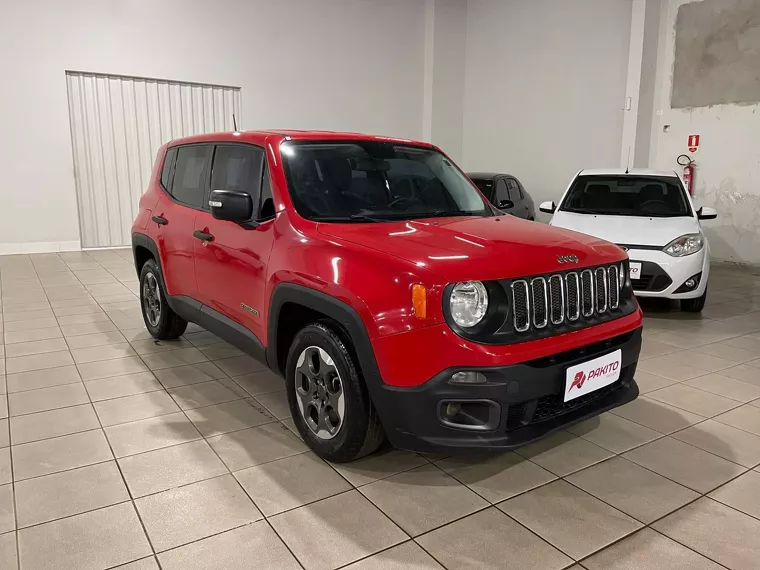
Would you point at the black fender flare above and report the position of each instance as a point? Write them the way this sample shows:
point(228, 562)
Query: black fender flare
point(342, 313)
point(143, 240)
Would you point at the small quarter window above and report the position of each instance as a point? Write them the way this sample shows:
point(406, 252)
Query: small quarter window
point(171, 156)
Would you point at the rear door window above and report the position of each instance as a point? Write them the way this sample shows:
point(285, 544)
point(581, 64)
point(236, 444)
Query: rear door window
point(501, 191)
point(514, 190)
point(191, 174)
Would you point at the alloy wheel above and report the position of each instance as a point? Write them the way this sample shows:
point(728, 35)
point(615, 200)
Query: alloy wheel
point(319, 392)
point(151, 299)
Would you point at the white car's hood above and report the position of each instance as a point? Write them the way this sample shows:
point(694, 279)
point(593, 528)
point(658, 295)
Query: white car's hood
point(635, 230)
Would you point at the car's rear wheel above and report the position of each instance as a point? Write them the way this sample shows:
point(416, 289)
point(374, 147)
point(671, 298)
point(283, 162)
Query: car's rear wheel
point(327, 396)
point(694, 305)
point(162, 323)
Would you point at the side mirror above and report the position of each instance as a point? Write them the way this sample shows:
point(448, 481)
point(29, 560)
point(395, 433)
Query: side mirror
point(505, 205)
point(705, 213)
point(547, 207)
point(231, 206)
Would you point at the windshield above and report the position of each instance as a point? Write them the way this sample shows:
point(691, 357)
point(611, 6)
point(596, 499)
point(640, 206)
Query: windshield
point(368, 181)
point(627, 195)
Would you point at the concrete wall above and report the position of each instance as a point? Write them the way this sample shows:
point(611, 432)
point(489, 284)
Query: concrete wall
point(717, 53)
point(728, 162)
point(545, 88)
point(331, 64)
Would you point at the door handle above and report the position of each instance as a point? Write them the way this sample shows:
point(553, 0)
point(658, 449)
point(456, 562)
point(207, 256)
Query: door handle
point(160, 220)
point(203, 236)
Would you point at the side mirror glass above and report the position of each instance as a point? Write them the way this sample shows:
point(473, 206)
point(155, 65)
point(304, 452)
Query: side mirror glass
point(231, 206)
point(706, 213)
point(547, 207)
point(505, 205)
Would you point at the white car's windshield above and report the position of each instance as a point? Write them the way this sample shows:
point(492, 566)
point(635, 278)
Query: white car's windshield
point(651, 196)
point(359, 181)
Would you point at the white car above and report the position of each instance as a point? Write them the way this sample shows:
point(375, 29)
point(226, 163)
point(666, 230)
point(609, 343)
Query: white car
point(649, 214)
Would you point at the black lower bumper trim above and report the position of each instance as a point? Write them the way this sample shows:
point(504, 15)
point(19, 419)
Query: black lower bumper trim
point(653, 278)
point(529, 397)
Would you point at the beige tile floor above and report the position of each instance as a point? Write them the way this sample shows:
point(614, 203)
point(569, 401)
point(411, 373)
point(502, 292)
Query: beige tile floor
point(118, 451)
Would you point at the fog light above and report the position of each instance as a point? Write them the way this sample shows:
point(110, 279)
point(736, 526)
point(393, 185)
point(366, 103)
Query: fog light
point(690, 284)
point(468, 377)
point(452, 409)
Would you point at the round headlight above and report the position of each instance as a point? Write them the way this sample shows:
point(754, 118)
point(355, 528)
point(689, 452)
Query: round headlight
point(468, 303)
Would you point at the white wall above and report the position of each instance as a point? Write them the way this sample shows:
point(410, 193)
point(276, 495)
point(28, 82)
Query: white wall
point(330, 64)
point(545, 88)
point(448, 73)
point(647, 90)
point(728, 162)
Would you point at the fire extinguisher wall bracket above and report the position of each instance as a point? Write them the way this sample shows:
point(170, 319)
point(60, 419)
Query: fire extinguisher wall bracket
point(688, 172)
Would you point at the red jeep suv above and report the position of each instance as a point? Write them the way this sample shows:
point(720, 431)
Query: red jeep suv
point(395, 301)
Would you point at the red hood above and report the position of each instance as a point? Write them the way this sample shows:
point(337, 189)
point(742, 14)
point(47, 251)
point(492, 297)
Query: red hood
point(461, 249)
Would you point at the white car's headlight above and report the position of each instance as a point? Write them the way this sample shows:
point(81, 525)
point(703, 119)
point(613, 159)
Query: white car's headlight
point(468, 303)
point(685, 245)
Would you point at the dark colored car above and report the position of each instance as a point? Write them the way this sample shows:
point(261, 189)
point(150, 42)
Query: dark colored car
point(393, 299)
point(506, 193)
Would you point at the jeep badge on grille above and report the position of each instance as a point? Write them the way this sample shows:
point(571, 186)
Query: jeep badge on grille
point(567, 258)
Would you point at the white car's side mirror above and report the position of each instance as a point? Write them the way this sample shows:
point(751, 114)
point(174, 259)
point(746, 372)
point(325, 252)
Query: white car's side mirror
point(707, 213)
point(547, 207)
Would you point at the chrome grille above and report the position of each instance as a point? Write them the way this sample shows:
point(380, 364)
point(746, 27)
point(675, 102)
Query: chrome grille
point(521, 305)
point(553, 300)
point(573, 288)
point(613, 272)
point(587, 293)
point(600, 284)
point(556, 300)
point(540, 299)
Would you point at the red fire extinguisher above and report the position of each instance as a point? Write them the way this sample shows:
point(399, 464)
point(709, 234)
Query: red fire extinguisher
point(688, 172)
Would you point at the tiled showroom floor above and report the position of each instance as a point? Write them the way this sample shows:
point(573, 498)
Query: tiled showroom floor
point(115, 449)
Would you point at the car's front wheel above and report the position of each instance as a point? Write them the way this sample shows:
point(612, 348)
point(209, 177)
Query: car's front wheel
point(160, 320)
point(328, 399)
point(694, 305)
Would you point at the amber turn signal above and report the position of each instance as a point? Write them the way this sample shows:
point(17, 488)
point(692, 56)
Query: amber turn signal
point(419, 300)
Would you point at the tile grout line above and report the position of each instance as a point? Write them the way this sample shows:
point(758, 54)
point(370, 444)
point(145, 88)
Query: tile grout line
point(110, 447)
point(615, 455)
point(113, 454)
point(229, 473)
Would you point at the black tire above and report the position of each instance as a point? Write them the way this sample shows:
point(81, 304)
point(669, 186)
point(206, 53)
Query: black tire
point(359, 432)
point(694, 305)
point(163, 323)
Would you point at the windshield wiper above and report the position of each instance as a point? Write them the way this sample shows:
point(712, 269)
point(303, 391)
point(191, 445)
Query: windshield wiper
point(447, 214)
point(364, 218)
point(352, 218)
point(597, 212)
point(380, 217)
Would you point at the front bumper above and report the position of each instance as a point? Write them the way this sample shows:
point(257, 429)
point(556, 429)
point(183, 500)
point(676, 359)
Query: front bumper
point(676, 270)
point(526, 397)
